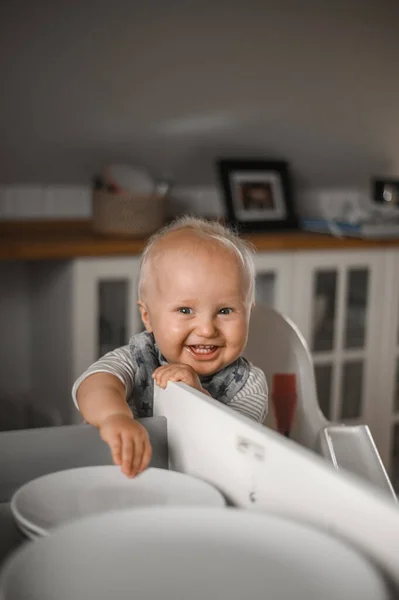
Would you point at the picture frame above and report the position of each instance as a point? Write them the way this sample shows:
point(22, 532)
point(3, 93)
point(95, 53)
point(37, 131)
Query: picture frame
point(257, 194)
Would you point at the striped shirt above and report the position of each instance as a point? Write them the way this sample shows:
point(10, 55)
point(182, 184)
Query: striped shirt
point(251, 400)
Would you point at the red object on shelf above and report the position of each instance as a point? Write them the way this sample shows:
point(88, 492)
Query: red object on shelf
point(284, 399)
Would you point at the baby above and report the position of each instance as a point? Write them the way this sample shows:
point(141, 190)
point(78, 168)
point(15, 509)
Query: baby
point(196, 293)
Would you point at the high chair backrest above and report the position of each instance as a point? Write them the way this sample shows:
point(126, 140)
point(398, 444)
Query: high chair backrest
point(276, 346)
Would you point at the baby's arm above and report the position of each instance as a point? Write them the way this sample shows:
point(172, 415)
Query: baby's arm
point(100, 394)
point(252, 399)
point(117, 363)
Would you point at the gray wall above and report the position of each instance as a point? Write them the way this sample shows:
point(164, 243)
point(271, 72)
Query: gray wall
point(173, 84)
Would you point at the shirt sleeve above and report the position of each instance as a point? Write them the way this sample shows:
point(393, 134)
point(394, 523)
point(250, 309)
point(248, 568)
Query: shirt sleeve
point(117, 362)
point(252, 399)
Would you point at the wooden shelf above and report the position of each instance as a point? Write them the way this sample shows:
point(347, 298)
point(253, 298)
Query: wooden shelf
point(45, 240)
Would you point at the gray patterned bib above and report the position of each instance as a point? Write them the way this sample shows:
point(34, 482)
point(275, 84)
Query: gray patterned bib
point(146, 357)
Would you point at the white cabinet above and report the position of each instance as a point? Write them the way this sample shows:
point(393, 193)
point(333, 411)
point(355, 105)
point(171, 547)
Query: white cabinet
point(80, 310)
point(105, 306)
point(337, 305)
point(274, 283)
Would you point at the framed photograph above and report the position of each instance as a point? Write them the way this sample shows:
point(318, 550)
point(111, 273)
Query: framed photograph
point(257, 194)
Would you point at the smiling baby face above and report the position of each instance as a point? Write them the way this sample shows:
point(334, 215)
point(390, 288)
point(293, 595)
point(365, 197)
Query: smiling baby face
point(196, 301)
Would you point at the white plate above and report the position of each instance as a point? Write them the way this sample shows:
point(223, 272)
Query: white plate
point(58, 498)
point(189, 553)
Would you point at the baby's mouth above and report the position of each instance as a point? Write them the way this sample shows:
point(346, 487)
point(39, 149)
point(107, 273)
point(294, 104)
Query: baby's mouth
point(203, 349)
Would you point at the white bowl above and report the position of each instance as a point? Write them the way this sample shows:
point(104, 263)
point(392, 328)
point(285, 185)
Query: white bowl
point(53, 500)
point(189, 553)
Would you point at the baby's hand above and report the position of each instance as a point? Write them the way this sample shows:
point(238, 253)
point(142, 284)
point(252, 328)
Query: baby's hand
point(177, 372)
point(129, 443)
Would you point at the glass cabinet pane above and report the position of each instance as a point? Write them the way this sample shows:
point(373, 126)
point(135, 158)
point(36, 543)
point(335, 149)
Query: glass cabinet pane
point(323, 375)
point(265, 288)
point(352, 390)
point(113, 305)
point(324, 310)
point(356, 307)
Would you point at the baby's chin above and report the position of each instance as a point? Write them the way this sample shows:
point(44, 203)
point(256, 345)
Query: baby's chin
point(202, 369)
point(205, 369)
point(206, 372)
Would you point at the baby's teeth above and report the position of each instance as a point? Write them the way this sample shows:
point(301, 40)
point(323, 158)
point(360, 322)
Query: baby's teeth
point(203, 349)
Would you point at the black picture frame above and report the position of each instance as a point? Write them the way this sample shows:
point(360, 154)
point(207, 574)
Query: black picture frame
point(257, 194)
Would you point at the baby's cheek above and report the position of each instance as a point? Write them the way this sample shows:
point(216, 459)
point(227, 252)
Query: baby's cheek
point(237, 331)
point(176, 331)
point(170, 344)
point(239, 339)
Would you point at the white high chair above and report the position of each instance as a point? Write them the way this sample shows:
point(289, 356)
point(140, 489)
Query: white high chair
point(277, 347)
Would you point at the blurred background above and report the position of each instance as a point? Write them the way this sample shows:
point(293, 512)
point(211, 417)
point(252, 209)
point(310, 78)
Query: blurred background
point(171, 86)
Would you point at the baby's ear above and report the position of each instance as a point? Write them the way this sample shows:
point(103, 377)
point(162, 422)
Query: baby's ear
point(145, 316)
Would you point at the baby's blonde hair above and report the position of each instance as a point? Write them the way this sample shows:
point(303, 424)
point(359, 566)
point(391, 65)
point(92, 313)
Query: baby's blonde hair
point(211, 230)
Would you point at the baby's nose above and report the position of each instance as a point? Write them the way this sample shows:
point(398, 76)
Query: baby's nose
point(206, 327)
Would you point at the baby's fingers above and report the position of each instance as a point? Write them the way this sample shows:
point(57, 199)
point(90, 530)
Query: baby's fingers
point(137, 456)
point(128, 450)
point(161, 377)
point(147, 454)
point(180, 376)
point(172, 373)
point(115, 444)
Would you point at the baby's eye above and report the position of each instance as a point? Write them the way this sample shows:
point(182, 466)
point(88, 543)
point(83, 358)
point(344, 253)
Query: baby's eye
point(225, 311)
point(184, 310)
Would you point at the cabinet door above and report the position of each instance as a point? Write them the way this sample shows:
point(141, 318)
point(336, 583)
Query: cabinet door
point(274, 280)
point(337, 306)
point(387, 409)
point(105, 313)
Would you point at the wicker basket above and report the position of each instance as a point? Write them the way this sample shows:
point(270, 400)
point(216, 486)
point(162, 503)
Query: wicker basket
point(137, 216)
